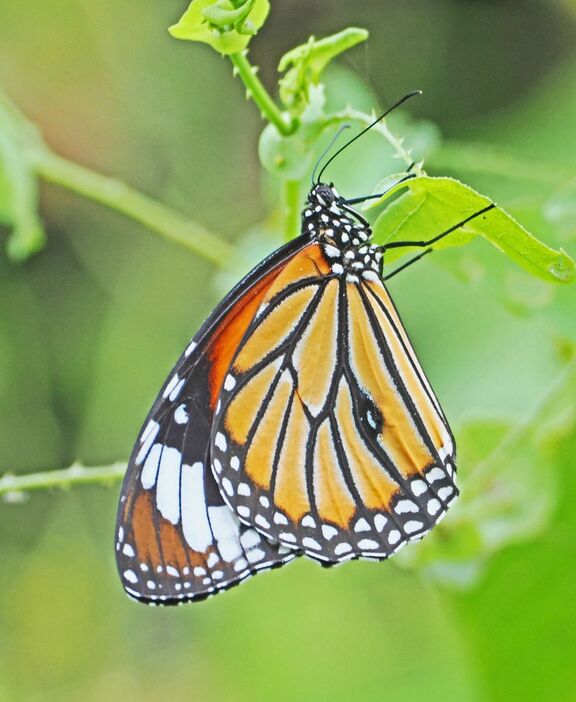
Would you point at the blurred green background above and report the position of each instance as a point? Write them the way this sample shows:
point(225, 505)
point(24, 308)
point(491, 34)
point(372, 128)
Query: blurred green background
point(90, 326)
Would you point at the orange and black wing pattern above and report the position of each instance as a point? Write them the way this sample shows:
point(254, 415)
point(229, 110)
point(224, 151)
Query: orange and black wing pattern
point(297, 421)
point(327, 436)
point(176, 538)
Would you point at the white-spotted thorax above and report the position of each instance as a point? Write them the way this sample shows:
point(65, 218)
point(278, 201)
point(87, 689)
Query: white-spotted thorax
point(343, 234)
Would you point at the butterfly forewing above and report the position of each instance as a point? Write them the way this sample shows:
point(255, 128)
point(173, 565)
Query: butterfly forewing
point(329, 438)
point(176, 538)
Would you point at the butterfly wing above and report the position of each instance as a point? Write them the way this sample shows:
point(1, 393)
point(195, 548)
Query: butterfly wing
point(176, 539)
point(329, 438)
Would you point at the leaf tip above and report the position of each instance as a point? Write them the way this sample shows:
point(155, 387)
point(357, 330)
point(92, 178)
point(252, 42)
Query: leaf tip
point(562, 268)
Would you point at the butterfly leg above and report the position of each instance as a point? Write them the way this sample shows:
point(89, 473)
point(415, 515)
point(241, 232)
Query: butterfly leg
point(429, 242)
point(364, 198)
point(408, 263)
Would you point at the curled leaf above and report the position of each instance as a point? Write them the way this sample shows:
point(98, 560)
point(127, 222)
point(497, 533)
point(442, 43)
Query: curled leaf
point(226, 25)
point(432, 205)
point(305, 63)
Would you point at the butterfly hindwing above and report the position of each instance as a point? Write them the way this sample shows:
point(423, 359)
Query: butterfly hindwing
point(176, 538)
point(329, 438)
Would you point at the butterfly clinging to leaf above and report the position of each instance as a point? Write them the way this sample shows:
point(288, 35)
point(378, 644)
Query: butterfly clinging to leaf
point(297, 422)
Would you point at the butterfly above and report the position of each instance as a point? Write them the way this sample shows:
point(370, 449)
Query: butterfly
point(297, 422)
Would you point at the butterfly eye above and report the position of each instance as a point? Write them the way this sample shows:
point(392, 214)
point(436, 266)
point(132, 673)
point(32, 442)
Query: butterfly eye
point(326, 193)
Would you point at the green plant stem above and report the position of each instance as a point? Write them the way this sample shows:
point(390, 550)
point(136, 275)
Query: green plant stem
point(260, 95)
point(12, 487)
point(291, 208)
point(124, 199)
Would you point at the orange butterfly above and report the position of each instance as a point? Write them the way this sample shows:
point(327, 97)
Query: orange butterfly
point(298, 421)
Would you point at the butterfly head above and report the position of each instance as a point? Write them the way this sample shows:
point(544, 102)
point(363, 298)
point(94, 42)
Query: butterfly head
point(327, 217)
point(344, 234)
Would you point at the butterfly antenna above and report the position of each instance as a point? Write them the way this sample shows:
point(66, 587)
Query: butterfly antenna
point(366, 129)
point(326, 150)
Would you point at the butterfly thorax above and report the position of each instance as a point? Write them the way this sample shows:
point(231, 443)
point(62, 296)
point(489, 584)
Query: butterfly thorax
point(344, 235)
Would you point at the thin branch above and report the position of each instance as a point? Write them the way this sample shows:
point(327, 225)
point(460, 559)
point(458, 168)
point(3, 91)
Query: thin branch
point(256, 90)
point(14, 487)
point(120, 197)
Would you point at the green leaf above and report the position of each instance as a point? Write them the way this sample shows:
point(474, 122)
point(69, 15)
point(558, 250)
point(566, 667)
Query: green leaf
point(18, 188)
point(226, 25)
point(432, 205)
point(305, 64)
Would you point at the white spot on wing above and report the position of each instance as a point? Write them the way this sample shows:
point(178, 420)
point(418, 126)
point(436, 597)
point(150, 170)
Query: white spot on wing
point(361, 525)
point(342, 548)
point(152, 426)
point(229, 383)
point(404, 506)
point(220, 441)
point(328, 532)
point(380, 522)
point(147, 439)
point(195, 524)
point(308, 521)
point(435, 474)
point(262, 521)
point(174, 380)
point(418, 487)
point(181, 414)
point(309, 542)
point(412, 526)
point(168, 485)
point(240, 564)
point(445, 492)
point(150, 469)
point(368, 544)
point(244, 490)
point(226, 528)
point(130, 576)
point(255, 555)
point(176, 391)
point(212, 560)
point(191, 346)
